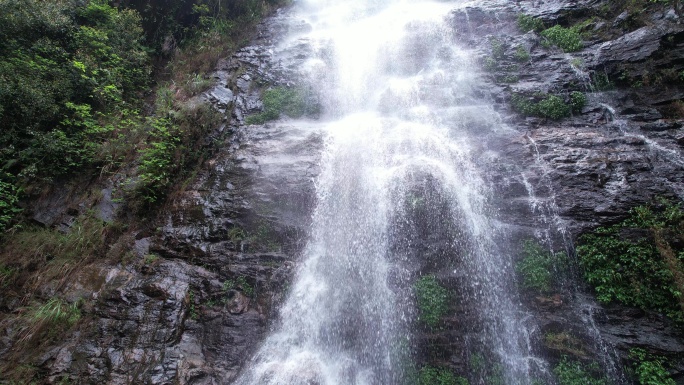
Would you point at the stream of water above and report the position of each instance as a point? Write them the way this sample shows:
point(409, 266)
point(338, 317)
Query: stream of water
point(402, 124)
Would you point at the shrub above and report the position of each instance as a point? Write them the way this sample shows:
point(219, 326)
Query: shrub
point(553, 107)
point(521, 54)
point(434, 376)
point(9, 203)
point(528, 23)
point(650, 369)
point(567, 39)
point(577, 101)
point(636, 270)
point(575, 373)
point(432, 300)
point(538, 265)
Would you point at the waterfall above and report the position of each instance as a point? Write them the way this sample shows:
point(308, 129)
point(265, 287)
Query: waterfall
point(404, 126)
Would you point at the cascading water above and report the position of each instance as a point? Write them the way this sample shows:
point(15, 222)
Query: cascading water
point(402, 123)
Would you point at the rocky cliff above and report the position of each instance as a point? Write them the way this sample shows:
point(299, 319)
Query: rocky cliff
point(186, 298)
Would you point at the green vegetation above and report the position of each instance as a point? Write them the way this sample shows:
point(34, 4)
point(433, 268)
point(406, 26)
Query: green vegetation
point(434, 376)
point(527, 23)
point(432, 299)
point(548, 106)
point(643, 269)
point(292, 102)
point(9, 203)
point(576, 373)
point(536, 267)
point(650, 369)
point(47, 321)
point(577, 101)
point(567, 39)
point(66, 68)
point(241, 284)
point(521, 54)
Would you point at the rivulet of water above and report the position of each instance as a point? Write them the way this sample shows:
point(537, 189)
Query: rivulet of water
point(398, 110)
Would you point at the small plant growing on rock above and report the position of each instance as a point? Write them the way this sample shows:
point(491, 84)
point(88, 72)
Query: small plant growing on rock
point(537, 267)
point(434, 376)
point(527, 23)
point(577, 101)
point(576, 373)
point(432, 300)
point(521, 54)
point(567, 39)
point(650, 369)
point(642, 270)
point(553, 107)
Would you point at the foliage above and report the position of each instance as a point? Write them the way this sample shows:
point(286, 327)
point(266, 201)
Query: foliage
point(536, 267)
point(650, 369)
point(435, 376)
point(9, 202)
point(156, 161)
point(577, 101)
point(567, 39)
point(64, 65)
point(521, 54)
point(432, 299)
point(632, 270)
point(551, 106)
point(292, 102)
point(174, 144)
point(239, 283)
point(575, 373)
point(527, 23)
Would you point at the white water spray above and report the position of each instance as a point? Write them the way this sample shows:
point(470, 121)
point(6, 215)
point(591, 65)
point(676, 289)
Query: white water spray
point(398, 110)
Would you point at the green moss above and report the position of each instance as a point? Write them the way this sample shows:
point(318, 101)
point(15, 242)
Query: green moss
point(432, 300)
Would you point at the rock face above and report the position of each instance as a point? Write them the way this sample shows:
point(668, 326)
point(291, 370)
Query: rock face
point(194, 297)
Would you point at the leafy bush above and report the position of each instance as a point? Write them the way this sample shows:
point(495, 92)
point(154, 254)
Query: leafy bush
point(567, 39)
point(577, 101)
point(551, 106)
point(650, 369)
point(528, 23)
point(432, 300)
point(9, 203)
point(632, 270)
point(434, 376)
point(575, 373)
point(538, 265)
